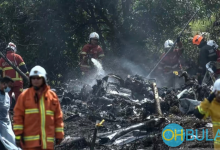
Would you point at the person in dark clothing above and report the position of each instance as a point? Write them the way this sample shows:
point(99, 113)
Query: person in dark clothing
point(170, 63)
point(207, 53)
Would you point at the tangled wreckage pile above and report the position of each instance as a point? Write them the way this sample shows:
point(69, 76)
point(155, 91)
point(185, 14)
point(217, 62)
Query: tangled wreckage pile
point(132, 116)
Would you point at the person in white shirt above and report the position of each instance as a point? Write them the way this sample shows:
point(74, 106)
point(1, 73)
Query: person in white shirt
point(6, 131)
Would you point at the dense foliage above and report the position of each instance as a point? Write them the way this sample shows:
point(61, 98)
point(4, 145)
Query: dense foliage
point(51, 33)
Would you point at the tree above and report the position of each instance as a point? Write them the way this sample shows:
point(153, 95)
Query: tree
point(51, 33)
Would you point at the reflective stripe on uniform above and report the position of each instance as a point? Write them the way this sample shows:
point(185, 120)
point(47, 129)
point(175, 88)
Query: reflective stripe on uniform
point(83, 53)
point(22, 63)
point(201, 111)
point(169, 66)
point(17, 77)
point(31, 111)
point(43, 119)
point(31, 138)
point(21, 89)
point(49, 112)
point(217, 142)
point(217, 65)
point(18, 127)
point(85, 66)
point(0, 68)
point(59, 129)
point(50, 139)
point(7, 68)
point(216, 123)
point(18, 137)
point(101, 55)
point(213, 54)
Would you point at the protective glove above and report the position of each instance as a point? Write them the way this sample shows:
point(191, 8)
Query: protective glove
point(211, 97)
point(178, 39)
point(18, 141)
point(58, 141)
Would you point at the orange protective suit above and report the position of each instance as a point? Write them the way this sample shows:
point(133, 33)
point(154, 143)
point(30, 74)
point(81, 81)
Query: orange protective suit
point(38, 122)
point(7, 70)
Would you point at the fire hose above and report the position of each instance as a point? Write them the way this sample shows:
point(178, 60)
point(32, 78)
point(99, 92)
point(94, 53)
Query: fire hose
point(174, 42)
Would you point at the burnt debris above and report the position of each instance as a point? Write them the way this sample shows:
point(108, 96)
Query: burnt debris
point(134, 111)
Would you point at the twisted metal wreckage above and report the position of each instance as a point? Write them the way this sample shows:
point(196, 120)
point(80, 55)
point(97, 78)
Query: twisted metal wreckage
point(127, 114)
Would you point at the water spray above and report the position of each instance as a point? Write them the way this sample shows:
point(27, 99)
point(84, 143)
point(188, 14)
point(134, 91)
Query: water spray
point(99, 67)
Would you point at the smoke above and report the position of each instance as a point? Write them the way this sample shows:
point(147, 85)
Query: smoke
point(134, 68)
point(124, 66)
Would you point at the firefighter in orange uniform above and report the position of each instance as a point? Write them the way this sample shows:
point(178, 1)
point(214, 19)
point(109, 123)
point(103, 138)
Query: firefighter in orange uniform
point(91, 50)
point(7, 70)
point(38, 118)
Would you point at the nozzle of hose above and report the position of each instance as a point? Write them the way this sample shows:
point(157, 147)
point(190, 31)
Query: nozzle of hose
point(100, 124)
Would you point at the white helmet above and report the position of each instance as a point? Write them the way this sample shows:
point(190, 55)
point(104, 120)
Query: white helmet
point(216, 86)
point(212, 43)
point(38, 71)
point(168, 44)
point(94, 35)
point(11, 46)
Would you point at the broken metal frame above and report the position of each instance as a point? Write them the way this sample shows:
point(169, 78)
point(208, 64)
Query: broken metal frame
point(209, 72)
point(190, 90)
